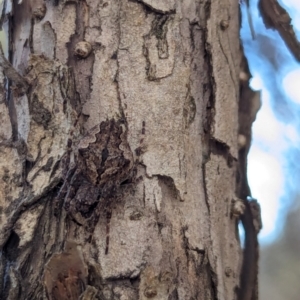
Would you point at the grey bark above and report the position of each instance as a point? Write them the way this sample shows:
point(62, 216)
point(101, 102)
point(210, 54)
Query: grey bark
point(119, 162)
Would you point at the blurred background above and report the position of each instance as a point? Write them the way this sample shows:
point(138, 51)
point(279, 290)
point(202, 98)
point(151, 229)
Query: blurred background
point(274, 158)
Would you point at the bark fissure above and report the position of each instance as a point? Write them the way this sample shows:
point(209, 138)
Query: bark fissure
point(156, 44)
point(158, 6)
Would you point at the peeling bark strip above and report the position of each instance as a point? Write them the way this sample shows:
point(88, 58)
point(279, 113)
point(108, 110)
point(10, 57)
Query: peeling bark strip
point(118, 162)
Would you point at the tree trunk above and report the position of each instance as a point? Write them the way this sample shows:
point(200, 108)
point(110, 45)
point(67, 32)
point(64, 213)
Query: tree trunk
point(119, 152)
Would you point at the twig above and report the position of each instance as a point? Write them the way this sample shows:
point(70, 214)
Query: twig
point(276, 17)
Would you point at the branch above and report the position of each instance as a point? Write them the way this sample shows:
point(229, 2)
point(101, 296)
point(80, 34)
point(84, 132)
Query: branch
point(276, 17)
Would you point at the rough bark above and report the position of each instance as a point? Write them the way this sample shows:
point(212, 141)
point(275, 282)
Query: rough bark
point(119, 161)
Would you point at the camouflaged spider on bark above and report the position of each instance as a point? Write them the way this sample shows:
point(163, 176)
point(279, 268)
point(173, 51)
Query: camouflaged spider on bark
point(94, 172)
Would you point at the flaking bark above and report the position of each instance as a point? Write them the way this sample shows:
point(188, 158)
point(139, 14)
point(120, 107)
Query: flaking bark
point(119, 162)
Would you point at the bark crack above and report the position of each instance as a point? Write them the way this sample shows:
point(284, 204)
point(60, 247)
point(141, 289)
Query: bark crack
point(156, 49)
point(230, 64)
point(158, 6)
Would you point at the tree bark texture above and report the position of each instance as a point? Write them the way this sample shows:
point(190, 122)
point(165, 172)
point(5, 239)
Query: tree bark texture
point(119, 156)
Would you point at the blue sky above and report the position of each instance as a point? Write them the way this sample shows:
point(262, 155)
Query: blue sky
point(273, 171)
